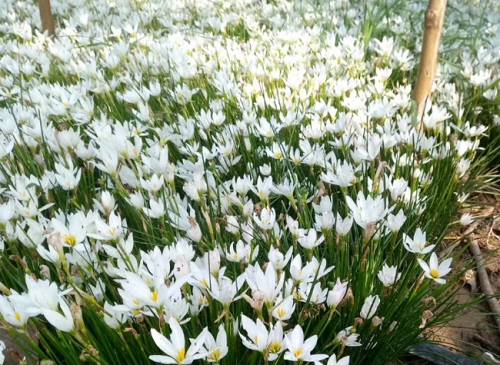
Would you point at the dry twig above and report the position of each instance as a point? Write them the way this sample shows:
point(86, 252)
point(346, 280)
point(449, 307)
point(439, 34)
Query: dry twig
point(484, 282)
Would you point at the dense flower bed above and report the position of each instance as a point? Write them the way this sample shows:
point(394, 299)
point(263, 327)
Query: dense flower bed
point(247, 174)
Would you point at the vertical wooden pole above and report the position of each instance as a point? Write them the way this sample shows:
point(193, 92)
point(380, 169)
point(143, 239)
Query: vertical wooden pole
point(46, 17)
point(434, 18)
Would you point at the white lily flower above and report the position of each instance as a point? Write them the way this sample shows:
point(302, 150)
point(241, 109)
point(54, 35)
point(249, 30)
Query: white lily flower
point(418, 243)
point(300, 350)
point(435, 270)
point(367, 210)
point(257, 334)
point(336, 295)
point(268, 283)
point(370, 306)
point(266, 219)
point(216, 348)
point(333, 360)
point(388, 275)
point(2, 356)
point(175, 347)
point(284, 309)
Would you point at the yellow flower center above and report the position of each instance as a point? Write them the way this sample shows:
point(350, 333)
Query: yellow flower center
point(181, 355)
point(275, 347)
point(281, 312)
point(434, 273)
point(112, 231)
point(215, 355)
point(70, 239)
point(297, 353)
point(154, 296)
point(18, 316)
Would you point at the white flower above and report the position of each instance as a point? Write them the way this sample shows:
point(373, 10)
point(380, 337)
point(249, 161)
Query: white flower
point(370, 307)
point(263, 187)
point(175, 348)
point(324, 221)
point(242, 252)
point(343, 226)
point(266, 219)
point(310, 239)
point(257, 335)
point(336, 295)
point(388, 275)
point(110, 231)
point(13, 309)
point(395, 222)
point(435, 270)
point(2, 356)
point(466, 219)
point(367, 210)
point(333, 360)
point(300, 350)
point(275, 341)
point(268, 283)
point(157, 209)
point(312, 293)
point(277, 259)
point(7, 211)
point(46, 300)
point(216, 348)
point(284, 309)
point(348, 338)
point(67, 178)
point(293, 226)
point(417, 244)
point(342, 175)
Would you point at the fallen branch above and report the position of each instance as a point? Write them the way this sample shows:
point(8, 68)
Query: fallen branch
point(486, 343)
point(484, 282)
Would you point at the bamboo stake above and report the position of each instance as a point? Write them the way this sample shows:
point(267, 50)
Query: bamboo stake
point(46, 17)
point(434, 17)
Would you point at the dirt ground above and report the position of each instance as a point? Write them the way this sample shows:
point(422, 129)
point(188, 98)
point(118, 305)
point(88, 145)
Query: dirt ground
point(475, 331)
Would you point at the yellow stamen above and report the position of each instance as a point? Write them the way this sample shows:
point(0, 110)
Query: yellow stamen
point(18, 316)
point(181, 355)
point(434, 273)
point(70, 239)
point(275, 347)
point(297, 353)
point(281, 312)
point(215, 355)
point(154, 296)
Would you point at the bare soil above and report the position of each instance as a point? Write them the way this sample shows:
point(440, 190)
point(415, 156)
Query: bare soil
point(475, 331)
